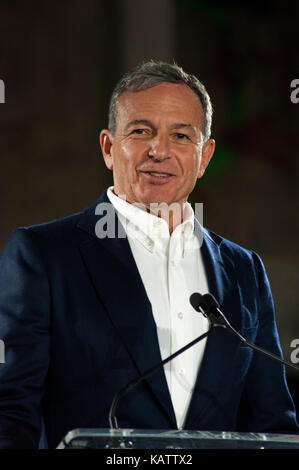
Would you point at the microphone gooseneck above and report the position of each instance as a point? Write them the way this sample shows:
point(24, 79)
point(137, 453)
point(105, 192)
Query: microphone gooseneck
point(209, 307)
point(112, 412)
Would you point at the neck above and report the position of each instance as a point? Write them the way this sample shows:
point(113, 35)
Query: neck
point(173, 214)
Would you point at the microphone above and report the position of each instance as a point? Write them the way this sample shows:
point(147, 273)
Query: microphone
point(209, 307)
point(112, 412)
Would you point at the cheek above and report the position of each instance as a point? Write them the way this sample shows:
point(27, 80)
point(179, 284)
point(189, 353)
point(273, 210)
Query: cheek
point(197, 164)
point(129, 153)
point(192, 167)
point(132, 157)
point(126, 152)
point(121, 161)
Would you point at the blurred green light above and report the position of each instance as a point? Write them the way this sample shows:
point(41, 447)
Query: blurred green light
point(222, 161)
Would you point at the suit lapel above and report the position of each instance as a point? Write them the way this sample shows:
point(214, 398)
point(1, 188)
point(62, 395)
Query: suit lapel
point(221, 346)
point(115, 277)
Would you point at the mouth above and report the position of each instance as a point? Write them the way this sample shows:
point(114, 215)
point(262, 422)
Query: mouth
point(158, 175)
point(155, 177)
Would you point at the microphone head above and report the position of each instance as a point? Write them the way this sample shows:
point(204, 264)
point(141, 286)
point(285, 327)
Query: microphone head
point(195, 301)
point(205, 302)
point(209, 302)
point(208, 306)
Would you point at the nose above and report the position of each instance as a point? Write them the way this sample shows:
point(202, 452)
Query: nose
point(159, 148)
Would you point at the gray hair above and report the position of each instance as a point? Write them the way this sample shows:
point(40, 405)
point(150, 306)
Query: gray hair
point(151, 73)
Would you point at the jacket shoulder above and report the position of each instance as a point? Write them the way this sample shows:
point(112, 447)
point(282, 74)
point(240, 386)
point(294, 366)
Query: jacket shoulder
point(56, 226)
point(227, 245)
point(69, 226)
point(232, 252)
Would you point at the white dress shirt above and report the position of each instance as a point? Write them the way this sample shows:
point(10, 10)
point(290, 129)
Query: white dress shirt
point(171, 268)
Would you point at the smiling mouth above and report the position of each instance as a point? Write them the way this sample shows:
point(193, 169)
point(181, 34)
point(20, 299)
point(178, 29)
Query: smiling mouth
point(159, 175)
point(156, 177)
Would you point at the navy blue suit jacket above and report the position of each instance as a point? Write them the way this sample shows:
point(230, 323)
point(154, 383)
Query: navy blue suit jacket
point(78, 325)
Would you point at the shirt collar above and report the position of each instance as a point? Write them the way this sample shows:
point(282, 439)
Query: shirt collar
point(150, 230)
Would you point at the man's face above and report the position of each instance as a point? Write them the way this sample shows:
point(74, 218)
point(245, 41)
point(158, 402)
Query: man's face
point(157, 150)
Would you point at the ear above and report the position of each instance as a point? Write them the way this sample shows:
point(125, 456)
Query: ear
point(206, 155)
point(106, 142)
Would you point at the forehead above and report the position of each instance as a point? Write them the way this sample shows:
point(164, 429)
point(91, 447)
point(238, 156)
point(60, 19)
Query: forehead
point(167, 102)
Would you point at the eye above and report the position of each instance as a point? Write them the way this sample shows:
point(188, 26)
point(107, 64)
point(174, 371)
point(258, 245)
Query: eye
point(181, 136)
point(140, 133)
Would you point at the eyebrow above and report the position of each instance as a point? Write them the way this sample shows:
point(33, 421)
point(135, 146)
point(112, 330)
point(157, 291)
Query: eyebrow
point(137, 122)
point(182, 125)
point(146, 122)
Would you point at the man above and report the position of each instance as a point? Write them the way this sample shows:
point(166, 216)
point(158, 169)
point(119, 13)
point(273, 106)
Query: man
point(85, 308)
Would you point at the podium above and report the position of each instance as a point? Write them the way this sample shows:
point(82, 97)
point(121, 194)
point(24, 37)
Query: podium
point(174, 439)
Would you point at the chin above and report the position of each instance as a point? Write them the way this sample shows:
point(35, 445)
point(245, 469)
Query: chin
point(149, 197)
point(153, 195)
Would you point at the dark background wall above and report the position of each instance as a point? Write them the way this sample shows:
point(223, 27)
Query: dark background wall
point(59, 61)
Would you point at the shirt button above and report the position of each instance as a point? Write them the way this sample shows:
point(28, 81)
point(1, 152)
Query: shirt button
point(180, 315)
point(150, 244)
point(181, 371)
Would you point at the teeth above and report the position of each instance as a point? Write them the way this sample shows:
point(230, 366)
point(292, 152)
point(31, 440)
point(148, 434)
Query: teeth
point(160, 175)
